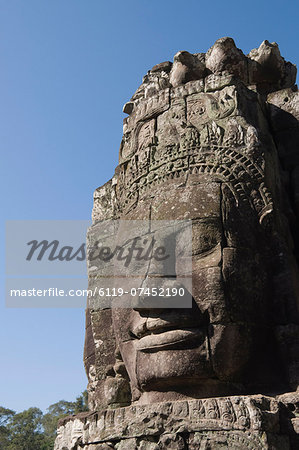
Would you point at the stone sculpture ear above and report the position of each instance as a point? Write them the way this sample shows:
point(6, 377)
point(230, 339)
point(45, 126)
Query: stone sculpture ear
point(100, 345)
point(99, 356)
point(117, 387)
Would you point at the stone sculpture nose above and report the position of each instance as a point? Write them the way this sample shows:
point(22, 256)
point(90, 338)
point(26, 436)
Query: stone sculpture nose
point(153, 319)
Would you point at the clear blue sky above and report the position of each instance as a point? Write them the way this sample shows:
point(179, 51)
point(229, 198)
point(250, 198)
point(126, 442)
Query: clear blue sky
point(67, 68)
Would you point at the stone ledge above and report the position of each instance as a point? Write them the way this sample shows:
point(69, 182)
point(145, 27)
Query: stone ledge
point(253, 421)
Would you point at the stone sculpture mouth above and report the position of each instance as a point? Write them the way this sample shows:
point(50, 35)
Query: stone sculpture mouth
point(171, 339)
point(165, 321)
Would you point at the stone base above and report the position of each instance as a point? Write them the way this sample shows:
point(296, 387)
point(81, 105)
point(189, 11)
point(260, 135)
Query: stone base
point(238, 422)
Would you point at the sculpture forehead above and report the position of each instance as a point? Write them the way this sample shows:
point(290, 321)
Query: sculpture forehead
point(190, 136)
point(177, 106)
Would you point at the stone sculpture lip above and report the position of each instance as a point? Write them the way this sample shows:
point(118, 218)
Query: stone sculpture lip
point(166, 321)
point(169, 339)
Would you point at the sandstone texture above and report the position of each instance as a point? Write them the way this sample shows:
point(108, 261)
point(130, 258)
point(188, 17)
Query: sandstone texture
point(238, 422)
point(213, 138)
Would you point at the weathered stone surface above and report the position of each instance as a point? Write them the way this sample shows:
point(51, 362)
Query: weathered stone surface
point(234, 422)
point(212, 138)
point(268, 69)
point(186, 67)
point(224, 56)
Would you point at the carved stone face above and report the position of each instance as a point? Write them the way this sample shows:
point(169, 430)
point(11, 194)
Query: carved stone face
point(210, 169)
point(208, 349)
point(203, 151)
